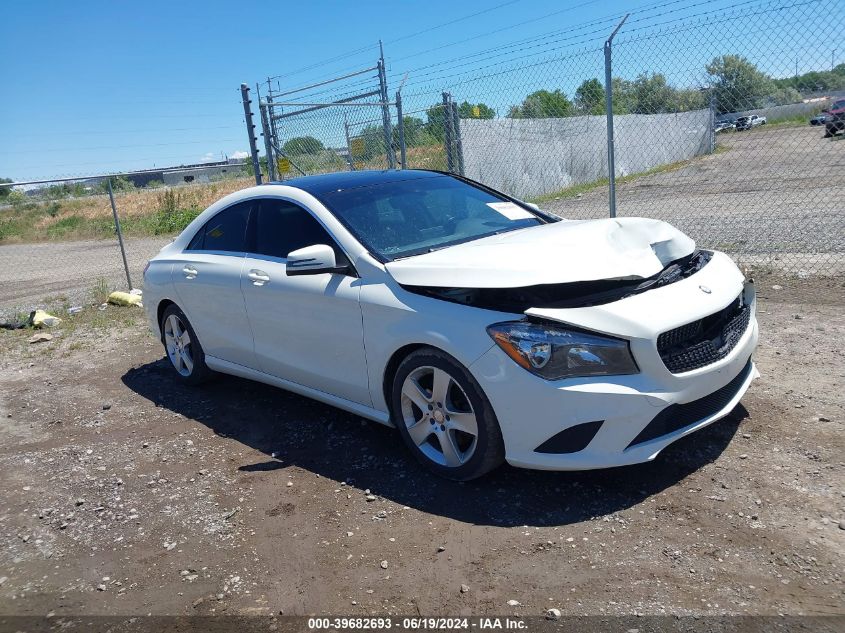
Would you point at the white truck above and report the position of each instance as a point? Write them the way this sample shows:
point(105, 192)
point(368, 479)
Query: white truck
point(748, 122)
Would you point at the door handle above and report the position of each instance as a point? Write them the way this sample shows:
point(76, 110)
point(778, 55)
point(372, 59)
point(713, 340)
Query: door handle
point(258, 277)
point(190, 273)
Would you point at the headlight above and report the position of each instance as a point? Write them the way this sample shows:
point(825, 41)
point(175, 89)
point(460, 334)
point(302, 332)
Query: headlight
point(556, 352)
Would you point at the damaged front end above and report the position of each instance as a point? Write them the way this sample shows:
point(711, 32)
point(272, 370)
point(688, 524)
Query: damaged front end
point(577, 294)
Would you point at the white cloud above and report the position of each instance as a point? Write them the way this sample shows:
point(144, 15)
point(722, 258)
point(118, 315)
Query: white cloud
point(239, 154)
point(207, 157)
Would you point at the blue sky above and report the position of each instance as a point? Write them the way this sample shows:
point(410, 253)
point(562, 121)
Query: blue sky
point(95, 86)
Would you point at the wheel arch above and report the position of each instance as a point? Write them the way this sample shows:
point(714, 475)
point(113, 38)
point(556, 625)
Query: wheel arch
point(162, 306)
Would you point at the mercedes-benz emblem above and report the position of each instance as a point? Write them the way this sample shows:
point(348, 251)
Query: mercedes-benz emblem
point(705, 289)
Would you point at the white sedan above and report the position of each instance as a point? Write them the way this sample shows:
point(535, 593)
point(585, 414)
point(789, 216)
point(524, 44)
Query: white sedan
point(483, 329)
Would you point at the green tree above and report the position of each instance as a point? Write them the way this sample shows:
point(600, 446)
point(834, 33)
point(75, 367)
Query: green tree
point(416, 133)
point(4, 191)
point(590, 97)
point(737, 83)
point(435, 122)
point(302, 145)
point(543, 104)
point(467, 110)
point(690, 99)
point(652, 94)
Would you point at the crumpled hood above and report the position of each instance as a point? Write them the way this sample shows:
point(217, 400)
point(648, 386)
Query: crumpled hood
point(561, 252)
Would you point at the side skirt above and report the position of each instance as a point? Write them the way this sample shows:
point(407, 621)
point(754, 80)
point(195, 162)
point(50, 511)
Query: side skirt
point(226, 367)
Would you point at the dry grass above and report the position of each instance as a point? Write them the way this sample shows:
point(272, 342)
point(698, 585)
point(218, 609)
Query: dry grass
point(145, 211)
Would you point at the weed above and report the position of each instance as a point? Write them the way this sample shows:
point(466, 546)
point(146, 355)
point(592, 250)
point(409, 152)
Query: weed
point(100, 291)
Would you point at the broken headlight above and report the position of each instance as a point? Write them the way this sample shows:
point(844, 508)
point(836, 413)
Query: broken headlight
point(554, 352)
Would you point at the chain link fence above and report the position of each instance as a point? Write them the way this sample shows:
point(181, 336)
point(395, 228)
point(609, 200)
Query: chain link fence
point(710, 130)
point(711, 125)
point(59, 240)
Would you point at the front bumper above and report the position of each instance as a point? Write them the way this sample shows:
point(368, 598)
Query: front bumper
point(531, 411)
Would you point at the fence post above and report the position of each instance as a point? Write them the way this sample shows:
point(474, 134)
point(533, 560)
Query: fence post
point(456, 136)
point(348, 143)
point(119, 235)
point(250, 130)
point(447, 133)
point(385, 112)
point(401, 124)
point(608, 96)
point(268, 144)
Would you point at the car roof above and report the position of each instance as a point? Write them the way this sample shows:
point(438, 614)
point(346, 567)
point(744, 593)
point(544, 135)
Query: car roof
point(325, 183)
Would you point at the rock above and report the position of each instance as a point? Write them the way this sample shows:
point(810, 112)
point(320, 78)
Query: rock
point(3, 580)
point(464, 588)
point(513, 603)
point(553, 614)
point(777, 287)
point(441, 549)
point(289, 484)
point(350, 534)
point(101, 587)
point(79, 501)
point(746, 436)
point(106, 406)
point(841, 527)
point(41, 337)
point(823, 419)
point(184, 572)
point(383, 564)
point(744, 456)
point(798, 317)
point(370, 498)
point(145, 445)
point(197, 602)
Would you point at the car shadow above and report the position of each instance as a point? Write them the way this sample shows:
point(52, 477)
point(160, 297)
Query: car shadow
point(293, 430)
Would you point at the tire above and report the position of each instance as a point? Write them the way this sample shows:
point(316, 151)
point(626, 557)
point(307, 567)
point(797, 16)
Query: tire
point(186, 357)
point(827, 133)
point(449, 425)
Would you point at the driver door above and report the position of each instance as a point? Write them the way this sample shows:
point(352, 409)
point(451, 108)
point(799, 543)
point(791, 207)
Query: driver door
point(307, 328)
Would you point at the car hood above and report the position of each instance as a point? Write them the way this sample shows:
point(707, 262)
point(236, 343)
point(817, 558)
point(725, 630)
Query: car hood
point(561, 252)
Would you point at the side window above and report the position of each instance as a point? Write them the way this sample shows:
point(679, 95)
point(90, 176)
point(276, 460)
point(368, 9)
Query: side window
point(282, 227)
point(225, 232)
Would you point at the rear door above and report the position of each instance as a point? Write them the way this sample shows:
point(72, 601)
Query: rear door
point(208, 285)
point(307, 328)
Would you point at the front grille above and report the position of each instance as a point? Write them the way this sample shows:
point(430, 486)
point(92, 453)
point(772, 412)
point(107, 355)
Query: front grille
point(705, 341)
point(677, 416)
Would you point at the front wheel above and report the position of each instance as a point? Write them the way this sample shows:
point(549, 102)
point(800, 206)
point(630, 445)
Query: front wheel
point(182, 346)
point(444, 417)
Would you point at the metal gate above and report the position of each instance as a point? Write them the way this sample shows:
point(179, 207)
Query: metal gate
point(341, 123)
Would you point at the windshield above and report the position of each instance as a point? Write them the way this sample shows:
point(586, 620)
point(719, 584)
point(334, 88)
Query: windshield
point(409, 217)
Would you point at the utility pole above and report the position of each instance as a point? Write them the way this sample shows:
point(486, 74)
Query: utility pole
point(250, 130)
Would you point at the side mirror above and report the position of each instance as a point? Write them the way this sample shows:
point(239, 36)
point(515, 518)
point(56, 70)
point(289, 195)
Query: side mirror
point(313, 260)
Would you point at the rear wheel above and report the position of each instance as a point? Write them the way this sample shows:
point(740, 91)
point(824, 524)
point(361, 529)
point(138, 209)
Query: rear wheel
point(444, 417)
point(182, 346)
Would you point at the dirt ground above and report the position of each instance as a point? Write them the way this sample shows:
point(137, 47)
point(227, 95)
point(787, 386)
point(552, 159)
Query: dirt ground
point(124, 493)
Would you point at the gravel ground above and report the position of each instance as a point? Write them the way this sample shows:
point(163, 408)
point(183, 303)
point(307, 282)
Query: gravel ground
point(124, 493)
point(775, 197)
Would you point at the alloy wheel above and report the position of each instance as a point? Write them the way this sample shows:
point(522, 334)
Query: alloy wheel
point(177, 341)
point(439, 416)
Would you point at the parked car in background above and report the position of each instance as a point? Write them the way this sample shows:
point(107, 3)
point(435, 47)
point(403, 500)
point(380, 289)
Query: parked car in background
point(722, 125)
point(483, 329)
point(748, 122)
point(835, 120)
point(821, 117)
